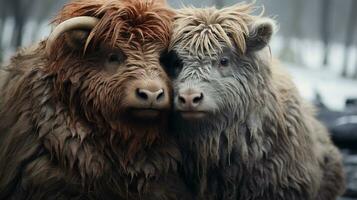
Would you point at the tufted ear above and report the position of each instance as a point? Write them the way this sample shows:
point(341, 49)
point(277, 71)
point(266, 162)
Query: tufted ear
point(260, 33)
point(76, 39)
point(76, 32)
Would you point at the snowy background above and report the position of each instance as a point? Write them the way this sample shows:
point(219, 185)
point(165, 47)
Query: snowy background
point(316, 42)
point(312, 77)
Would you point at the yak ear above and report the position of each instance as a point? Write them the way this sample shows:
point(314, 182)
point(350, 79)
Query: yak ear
point(260, 33)
point(76, 32)
point(76, 39)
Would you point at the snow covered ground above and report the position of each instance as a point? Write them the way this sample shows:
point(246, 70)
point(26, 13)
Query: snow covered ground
point(333, 89)
point(311, 77)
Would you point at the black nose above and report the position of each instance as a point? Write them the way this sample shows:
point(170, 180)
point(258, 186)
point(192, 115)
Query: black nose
point(190, 99)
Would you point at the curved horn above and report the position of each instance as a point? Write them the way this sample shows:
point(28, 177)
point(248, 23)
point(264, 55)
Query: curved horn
point(84, 22)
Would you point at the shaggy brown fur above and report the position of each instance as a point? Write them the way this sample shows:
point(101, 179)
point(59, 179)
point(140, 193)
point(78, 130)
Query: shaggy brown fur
point(252, 137)
point(66, 131)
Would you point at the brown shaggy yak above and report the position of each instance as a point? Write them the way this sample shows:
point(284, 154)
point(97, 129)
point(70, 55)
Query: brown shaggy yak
point(245, 132)
point(83, 113)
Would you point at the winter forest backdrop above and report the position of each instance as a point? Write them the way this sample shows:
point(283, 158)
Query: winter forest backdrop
point(316, 41)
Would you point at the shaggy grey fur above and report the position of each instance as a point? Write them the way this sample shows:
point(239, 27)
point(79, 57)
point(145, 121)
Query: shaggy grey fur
point(258, 138)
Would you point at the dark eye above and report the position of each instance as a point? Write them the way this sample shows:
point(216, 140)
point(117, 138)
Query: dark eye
point(224, 62)
point(116, 57)
point(113, 57)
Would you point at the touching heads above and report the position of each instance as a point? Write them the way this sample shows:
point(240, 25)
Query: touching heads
point(219, 61)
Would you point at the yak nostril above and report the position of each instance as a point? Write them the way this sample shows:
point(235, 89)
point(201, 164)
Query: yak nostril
point(142, 94)
point(197, 99)
point(160, 95)
point(149, 96)
point(190, 100)
point(182, 100)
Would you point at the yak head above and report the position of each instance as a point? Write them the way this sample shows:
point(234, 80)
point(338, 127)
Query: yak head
point(219, 62)
point(105, 56)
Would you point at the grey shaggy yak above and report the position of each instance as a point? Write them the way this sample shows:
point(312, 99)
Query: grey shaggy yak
point(244, 130)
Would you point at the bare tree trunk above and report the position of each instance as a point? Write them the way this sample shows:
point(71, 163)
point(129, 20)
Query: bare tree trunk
point(2, 25)
point(2, 22)
point(325, 28)
point(21, 10)
point(18, 31)
point(293, 31)
point(349, 36)
point(16, 9)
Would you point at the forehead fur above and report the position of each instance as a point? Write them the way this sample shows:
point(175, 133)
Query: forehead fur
point(134, 21)
point(204, 30)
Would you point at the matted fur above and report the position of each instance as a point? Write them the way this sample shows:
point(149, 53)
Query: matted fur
point(129, 21)
point(203, 31)
point(259, 139)
point(65, 128)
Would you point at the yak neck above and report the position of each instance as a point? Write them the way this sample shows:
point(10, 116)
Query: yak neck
point(223, 141)
point(205, 144)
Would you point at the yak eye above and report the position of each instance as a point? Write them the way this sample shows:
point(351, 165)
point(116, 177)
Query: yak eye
point(113, 61)
point(224, 62)
point(115, 57)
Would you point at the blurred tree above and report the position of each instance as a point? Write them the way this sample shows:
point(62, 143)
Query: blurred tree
point(293, 31)
point(2, 25)
point(219, 3)
point(21, 10)
point(350, 34)
point(325, 29)
point(44, 11)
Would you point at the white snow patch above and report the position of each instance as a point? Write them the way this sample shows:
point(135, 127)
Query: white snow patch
point(333, 89)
